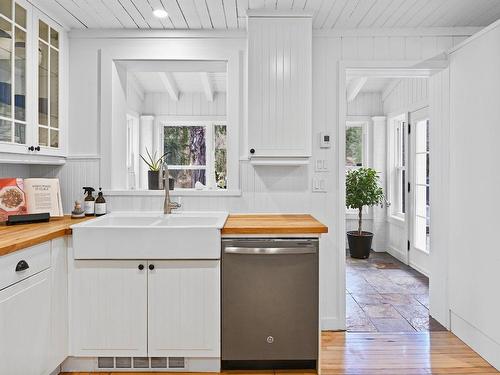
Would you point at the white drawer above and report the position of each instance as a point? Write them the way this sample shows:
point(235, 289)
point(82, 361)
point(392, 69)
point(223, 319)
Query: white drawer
point(37, 258)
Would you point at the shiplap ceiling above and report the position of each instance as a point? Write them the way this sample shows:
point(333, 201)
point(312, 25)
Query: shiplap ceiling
point(230, 14)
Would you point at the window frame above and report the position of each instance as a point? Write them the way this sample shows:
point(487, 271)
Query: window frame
point(397, 164)
point(209, 122)
point(364, 123)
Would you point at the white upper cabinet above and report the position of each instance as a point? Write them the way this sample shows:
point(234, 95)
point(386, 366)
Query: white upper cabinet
point(32, 122)
point(280, 85)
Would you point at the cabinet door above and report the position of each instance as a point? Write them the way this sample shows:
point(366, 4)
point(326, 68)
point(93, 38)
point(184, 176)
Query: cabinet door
point(49, 113)
point(184, 308)
point(108, 308)
point(24, 325)
point(57, 351)
point(15, 76)
point(279, 86)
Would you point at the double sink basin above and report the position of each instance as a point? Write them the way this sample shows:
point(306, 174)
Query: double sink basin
point(150, 235)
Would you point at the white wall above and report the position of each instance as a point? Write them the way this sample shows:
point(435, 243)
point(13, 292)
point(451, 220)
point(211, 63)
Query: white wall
point(474, 258)
point(264, 189)
point(189, 104)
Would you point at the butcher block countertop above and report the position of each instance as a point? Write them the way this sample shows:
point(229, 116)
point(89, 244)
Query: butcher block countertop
point(273, 224)
point(17, 237)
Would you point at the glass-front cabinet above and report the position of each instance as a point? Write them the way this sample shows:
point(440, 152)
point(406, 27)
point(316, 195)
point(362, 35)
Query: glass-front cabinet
point(30, 81)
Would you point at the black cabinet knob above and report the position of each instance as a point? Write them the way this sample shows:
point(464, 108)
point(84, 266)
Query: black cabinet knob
point(37, 148)
point(141, 267)
point(252, 151)
point(151, 267)
point(31, 148)
point(22, 265)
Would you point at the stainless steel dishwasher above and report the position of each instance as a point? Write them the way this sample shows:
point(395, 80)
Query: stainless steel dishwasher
point(269, 303)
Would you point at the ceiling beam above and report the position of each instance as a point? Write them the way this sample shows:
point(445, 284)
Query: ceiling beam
point(208, 87)
point(170, 85)
point(354, 87)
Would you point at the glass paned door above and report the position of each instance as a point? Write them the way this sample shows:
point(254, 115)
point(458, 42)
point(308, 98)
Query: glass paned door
point(419, 193)
point(13, 44)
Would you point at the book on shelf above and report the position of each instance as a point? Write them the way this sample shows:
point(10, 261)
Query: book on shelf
point(30, 196)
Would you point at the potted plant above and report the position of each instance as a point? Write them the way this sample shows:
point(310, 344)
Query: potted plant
point(154, 165)
point(362, 189)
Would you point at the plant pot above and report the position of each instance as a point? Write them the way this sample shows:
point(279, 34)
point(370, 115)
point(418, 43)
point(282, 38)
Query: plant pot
point(154, 180)
point(359, 245)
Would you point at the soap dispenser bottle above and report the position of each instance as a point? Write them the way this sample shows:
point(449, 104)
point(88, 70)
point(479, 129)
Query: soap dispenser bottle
point(100, 204)
point(89, 202)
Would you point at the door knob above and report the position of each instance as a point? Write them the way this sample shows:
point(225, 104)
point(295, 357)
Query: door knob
point(31, 148)
point(141, 267)
point(252, 151)
point(37, 148)
point(151, 267)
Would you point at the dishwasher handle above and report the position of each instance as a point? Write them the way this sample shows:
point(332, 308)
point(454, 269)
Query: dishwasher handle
point(269, 250)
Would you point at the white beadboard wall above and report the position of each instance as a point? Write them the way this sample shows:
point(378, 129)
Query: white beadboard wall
point(14, 170)
point(366, 104)
point(264, 189)
point(189, 104)
point(408, 94)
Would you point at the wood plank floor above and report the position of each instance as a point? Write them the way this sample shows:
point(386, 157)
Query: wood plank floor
point(377, 353)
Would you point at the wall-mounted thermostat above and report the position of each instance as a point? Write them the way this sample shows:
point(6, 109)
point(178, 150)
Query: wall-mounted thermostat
point(325, 140)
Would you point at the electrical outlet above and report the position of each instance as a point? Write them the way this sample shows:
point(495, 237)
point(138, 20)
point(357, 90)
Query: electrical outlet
point(319, 185)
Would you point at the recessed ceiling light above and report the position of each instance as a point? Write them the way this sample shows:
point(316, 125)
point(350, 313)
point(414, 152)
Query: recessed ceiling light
point(160, 13)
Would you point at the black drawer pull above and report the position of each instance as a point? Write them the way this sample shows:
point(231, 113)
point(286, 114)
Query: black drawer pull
point(151, 267)
point(22, 266)
point(37, 148)
point(141, 267)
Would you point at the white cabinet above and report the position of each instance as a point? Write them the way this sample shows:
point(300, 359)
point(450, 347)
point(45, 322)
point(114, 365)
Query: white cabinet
point(184, 308)
point(280, 85)
point(140, 308)
point(32, 112)
point(109, 308)
point(24, 325)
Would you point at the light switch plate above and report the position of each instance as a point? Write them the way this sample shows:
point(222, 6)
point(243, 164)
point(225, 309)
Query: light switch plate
point(321, 165)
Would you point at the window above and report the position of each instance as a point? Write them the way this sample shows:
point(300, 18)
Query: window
point(355, 147)
point(421, 179)
point(48, 86)
point(12, 73)
point(196, 152)
point(398, 142)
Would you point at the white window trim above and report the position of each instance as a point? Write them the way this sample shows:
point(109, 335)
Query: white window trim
point(393, 120)
point(209, 121)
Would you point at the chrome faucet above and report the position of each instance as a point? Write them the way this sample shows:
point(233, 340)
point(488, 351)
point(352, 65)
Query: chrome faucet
point(168, 205)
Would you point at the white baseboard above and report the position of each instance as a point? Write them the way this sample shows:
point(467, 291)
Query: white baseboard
point(332, 324)
point(485, 346)
point(397, 254)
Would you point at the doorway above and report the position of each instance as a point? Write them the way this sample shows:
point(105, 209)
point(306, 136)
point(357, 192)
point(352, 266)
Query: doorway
point(389, 292)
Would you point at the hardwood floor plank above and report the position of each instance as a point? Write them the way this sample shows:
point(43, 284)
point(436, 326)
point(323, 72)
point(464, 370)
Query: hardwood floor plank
point(374, 353)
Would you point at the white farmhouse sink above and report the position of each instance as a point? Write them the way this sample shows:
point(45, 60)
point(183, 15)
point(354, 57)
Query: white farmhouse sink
point(150, 235)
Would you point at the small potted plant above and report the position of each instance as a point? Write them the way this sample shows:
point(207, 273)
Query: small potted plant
point(362, 189)
point(154, 165)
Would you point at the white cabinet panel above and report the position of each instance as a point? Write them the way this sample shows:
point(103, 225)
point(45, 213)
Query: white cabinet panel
point(24, 325)
point(184, 308)
point(109, 308)
point(57, 351)
point(280, 85)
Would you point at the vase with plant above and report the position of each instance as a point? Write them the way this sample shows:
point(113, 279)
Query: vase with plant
point(362, 189)
point(154, 165)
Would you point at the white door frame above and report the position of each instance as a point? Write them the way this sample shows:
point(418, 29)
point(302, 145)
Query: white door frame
point(417, 258)
point(393, 69)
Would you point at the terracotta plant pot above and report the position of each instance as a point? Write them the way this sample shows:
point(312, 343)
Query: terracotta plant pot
point(359, 245)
